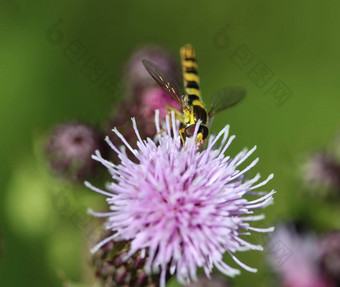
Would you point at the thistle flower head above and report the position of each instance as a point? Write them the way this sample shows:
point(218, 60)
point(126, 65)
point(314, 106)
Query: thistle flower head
point(296, 258)
point(155, 99)
point(69, 150)
point(330, 256)
point(321, 173)
point(182, 207)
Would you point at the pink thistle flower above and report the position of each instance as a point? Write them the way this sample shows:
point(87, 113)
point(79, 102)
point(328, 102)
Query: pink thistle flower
point(321, 174)
point(156, 99)
point(296, 258)
point(151, 100)
point(69, 150)
point(182, 207)
point(330, 255)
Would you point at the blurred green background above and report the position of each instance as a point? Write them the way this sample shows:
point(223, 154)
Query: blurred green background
point(285, 53)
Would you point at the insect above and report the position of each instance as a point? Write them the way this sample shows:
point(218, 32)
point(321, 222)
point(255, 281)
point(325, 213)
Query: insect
point(193, 108)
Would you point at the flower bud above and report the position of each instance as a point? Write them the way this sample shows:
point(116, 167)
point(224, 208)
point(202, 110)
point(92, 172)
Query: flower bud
point(295, 256)
point(330, 256)
point(321, 173)
point(69, 150)
point(114, 271)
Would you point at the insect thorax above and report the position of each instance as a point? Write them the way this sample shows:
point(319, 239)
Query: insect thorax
point(195, 111)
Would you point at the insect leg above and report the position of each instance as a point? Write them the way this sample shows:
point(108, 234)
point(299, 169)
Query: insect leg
point(178, 114)
point(199, 139)
point(181, 133)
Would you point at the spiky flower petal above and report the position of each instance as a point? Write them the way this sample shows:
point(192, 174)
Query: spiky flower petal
point(180, 206)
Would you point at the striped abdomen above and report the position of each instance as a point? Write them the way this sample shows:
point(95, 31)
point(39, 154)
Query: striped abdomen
point(191, 85)
point(190, 74)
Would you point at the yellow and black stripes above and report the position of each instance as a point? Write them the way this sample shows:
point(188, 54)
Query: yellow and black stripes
point(190, 74)
point(192, 88)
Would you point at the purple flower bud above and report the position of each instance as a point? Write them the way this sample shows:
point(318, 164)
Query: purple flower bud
point(295, 257)
point(330, 256)
point(321, 173)
point(69, 150)
point(115, 271)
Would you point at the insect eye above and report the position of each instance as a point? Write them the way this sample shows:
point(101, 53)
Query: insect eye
point(189, 131)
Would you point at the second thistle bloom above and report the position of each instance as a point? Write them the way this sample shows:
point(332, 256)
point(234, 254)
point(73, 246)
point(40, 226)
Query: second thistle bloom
point(321, 174)
point(295, 257)
point(69, 150)
point(181, 207)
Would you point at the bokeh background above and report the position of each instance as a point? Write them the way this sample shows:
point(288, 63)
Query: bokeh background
point(285, 53)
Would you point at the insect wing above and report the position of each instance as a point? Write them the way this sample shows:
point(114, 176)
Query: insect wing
point(169, 85)
point(226, 98)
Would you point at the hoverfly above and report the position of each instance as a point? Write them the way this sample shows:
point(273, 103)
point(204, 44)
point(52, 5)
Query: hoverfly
point(193, 109)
